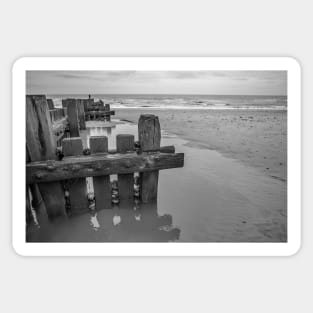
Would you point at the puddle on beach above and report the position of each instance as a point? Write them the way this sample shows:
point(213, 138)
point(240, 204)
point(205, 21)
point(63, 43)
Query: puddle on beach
point(211, 199)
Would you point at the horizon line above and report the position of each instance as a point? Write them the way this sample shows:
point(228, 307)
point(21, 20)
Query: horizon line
point(161, 94)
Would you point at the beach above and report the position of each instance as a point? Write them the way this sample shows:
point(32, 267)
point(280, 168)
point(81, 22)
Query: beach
point(257, 138)
point(224, 192)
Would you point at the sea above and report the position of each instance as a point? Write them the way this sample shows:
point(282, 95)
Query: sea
point(203, 102)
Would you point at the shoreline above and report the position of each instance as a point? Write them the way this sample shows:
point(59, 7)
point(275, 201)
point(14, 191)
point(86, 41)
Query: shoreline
point(257, 138)
point(212, 198)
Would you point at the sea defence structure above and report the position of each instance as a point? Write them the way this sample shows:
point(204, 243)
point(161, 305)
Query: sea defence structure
point(57, 165)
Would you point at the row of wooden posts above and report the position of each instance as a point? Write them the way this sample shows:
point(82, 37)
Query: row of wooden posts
point(51, 179)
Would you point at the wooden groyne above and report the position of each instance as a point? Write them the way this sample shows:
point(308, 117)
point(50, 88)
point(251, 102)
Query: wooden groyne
point(57, 165)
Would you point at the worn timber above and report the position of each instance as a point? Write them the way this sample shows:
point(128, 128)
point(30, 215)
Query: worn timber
point(101, 164)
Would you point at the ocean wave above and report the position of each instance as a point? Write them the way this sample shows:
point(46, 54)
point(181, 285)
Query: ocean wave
point(185, 107)
point(189, 103)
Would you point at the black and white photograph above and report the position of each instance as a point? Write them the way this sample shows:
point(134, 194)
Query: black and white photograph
point(156, 156)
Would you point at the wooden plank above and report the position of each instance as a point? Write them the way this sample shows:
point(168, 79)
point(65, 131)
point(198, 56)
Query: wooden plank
point(72, 114)
point(108, 109)
point(50, 104)
point(101, 164)
point(40, 145)
point(164, 149)
point(149, 134)
point(81, 114)
point(101, 184)
point(56, 114)
point(102, 113)
point(125, 143)
point(64, 103)
point(77, 187)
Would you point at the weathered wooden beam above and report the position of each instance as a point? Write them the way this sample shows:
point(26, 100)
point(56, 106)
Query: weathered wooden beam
point(101, 184)
point(72, 114)
point(102, 113)
point(41, 146)
point(77, 187)
point(101, 164)
point(149, 134)
point(125, 143)
point(50, 104)
point(164, 149)
point(56, 114)
point(81, 113)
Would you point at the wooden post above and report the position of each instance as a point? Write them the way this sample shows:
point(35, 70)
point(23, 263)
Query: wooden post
point(107, 109)
point(64, 103)
point(81, 114)
point(101, 184)
point(85, 103)
point(73, 117)
point(149, 134)
point(125, 143)
point(50, 104)
point(77, 187)
point(40, 146)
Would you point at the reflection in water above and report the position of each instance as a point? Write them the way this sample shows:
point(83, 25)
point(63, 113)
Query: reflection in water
point(139, 223)
point(129, 222)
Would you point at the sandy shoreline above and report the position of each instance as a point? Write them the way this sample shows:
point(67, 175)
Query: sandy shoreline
point(255, 138)
point(213, 198)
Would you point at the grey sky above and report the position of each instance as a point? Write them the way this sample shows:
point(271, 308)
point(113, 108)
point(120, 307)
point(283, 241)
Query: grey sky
point(157, 82)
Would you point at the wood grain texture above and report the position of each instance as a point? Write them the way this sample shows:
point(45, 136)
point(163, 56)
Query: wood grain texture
point(50, 104)
point(125, 143)
point(101, 164)
point(101, 184)
point(149, 134)
point(77, 186)
point(81, 114)
point(40, 145)
point(72, 114)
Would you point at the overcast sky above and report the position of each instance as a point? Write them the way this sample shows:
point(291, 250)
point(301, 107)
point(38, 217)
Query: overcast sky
point(157, 82)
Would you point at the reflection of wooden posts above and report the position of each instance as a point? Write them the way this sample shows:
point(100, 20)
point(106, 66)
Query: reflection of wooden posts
point(81, 114)
point(77, 187)
point(41, 146)
point(150, 138)
point(36, 196)
point(101, 184)
point(28, 208)
point(125, 143)
point(73, 117)
point(72, 170)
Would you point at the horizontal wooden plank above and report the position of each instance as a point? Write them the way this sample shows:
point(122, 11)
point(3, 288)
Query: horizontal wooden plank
point(101, 164)
point(102, 113)
point(164, 149)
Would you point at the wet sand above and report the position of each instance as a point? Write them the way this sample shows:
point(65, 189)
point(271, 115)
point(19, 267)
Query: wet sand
point(213, 198)
point(256, 138)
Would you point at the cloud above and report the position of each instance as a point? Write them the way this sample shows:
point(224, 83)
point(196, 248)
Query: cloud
point(200, 82)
